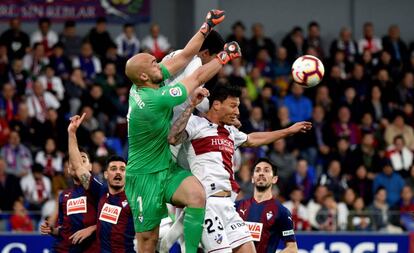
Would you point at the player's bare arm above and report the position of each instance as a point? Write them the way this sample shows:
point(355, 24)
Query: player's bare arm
point(207, 71)
point(177, 133)
point(75, 157)
point(176, 63)
point(79, 236)
point(291, 247)
point(263, 138)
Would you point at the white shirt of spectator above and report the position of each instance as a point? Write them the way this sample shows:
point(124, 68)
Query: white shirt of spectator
point(77, 205)
point(41, 158)
point(121, 39)
point(400, 160)
point(51, 36)
point(110, 213)
point(35, 108)
point(163, 44)
point(210, 153)
point(57, 85)
point(376, 45)
point(302, 211)
point(28, 185)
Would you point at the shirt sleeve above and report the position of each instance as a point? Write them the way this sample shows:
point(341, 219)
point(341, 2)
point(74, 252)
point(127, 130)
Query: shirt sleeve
point(239, 137)
point(285, 225)
point(191, 127)
point(96, 188)
point(170, 96)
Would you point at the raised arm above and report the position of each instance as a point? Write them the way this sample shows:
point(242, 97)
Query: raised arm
point(176, 63)
point(177, 133)
point(207, 71)
point(263, 138)
point(75, 158)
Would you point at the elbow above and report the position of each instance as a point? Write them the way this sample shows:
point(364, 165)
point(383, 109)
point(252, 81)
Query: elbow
point(172, 140)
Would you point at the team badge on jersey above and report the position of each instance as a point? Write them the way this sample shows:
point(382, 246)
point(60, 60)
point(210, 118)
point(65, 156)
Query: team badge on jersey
point(269, 215)
point(255, 229)
point(76, 205)
point(110, 213)
point(124, 203)
point(175, 92)
point(219, 238)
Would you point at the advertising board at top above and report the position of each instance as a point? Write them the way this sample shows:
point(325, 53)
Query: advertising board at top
point(79, 10)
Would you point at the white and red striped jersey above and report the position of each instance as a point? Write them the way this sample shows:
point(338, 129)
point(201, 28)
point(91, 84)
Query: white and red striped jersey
point(210, 153)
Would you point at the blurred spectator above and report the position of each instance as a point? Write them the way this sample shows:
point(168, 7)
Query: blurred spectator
point(20, 220)
point(294, 43)
point(333, 215)
point(345, 43)
point(394, 45)
point(127, 42)
point(60, 63)
point(17, 156)
point(156, 43)
point(353, 103)
point(303, 178)
point(359, 81)
point(385, 62)
point(4, 63)
point(345, 128)
point(282, 67)
point(264, 63)
point(54, 127)
point(100, 150)
point(361, 183)
point(366, 154)
point(238, 35)
point(298, 210)
point(89, 124)
point(75, 87)
point(368, 126)
point(52, 83)
point(97, 168)
point(243, 178)
point(109, 80)
point(70, 40)
point(22, 123)
point(44, 35)
point(349, 198)
point(315, 204)
point(36, 187)
point(391, 181)
point(8, 102)
point(285, 162)
point(343, 153)
point(334, 180)
point(268, 105)
point(36, 60)
point(398, 127)
point(40, 101)
point(409, 181)
point(323, 99)
point(256, 122)
point(260, 41)
point(406, 208)
point(400, 156)
point(236, 68)
point(387, 86)
point(16, 41)
point(299, 106)
point(19, 77)
point(62, 181)
point(359, 219)
point(99, 37)
point(111, 56)
point(376, 106)
point(314, 39)
point(254, 83)
point(369, 42)
point(335, 82)
point(50, 158)
point(379, 209)
point(10, 190)
point(405, 89)
point(4, 131)
point(87, 62)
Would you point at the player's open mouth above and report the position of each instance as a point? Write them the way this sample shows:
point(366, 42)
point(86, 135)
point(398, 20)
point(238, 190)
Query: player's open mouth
point(117, 178)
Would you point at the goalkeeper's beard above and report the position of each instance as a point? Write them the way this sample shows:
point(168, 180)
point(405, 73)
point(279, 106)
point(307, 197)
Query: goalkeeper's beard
point(263, 188)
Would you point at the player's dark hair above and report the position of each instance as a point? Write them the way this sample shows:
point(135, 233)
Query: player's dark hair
point(265, 160)
point(214, 43)
point(222, 92)
point(83, 150)
point(114, 158)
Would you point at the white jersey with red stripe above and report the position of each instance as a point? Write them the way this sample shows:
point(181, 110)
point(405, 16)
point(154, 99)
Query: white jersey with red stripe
point(210, 153)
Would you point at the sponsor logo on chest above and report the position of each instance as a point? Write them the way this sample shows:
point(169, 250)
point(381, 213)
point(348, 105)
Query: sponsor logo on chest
point(223, 144)
point(255, 229)
point(76, 205)
point(110, 213)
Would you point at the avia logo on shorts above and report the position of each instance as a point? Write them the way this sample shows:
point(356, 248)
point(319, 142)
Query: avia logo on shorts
point(255, 229)
point(77, 205)
point(110, 213)
point(175, 92)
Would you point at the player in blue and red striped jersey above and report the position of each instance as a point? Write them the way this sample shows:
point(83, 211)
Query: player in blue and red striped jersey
point(115, 227)
point(268, 220)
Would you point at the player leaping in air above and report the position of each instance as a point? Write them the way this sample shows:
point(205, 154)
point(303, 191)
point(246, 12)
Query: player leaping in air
point(152, 178)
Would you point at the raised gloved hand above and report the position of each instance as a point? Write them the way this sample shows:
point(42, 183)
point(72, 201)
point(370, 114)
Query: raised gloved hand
point(231, 51)
point(213, 18)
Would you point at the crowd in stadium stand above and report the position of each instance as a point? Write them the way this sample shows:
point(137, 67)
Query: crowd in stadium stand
point(353, 171)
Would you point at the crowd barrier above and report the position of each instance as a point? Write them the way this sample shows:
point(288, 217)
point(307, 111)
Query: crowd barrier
point(312, 242)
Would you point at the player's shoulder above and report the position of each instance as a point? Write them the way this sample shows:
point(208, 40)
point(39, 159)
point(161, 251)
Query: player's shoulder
point(243, 202)
point(282, 210)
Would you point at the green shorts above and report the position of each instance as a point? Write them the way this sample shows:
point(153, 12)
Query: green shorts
point(148, 194)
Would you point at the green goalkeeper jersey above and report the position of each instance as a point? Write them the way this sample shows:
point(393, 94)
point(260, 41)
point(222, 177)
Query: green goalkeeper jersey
point(149, 121)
